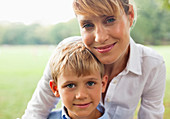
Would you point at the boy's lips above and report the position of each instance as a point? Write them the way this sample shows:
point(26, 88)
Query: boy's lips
point(105, 49)
point(85, 105)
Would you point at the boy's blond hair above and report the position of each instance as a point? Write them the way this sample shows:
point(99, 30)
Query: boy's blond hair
point(75, 57)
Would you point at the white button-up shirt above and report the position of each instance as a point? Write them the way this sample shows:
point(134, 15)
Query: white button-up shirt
point(143, 80)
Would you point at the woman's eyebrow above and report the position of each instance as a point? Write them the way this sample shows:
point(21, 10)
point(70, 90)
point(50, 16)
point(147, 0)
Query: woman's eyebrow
point(85, 21)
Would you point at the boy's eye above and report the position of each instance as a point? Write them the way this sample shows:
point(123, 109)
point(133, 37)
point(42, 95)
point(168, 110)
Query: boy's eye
point(90, 83)
point(70, 86)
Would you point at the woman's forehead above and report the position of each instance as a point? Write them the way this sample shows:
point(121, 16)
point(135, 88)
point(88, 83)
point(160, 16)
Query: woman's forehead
point(98, 9)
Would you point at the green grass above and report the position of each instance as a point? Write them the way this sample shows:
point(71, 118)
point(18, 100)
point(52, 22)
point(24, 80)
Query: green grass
point(21, 67)
point(165, 52)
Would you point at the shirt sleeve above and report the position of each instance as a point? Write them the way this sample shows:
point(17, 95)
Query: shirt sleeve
point(152, 98)
point(43, 100)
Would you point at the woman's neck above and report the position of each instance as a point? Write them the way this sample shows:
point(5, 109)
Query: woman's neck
point(112, 70)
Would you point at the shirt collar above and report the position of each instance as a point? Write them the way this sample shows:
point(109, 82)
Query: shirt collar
point(64, 113)
point(134, 62)
point(99, 107)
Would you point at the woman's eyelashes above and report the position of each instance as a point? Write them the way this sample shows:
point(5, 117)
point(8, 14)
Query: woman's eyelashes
point(110, 19)
point(87, 25)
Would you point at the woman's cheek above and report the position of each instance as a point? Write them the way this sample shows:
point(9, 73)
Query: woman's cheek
point(87, 39)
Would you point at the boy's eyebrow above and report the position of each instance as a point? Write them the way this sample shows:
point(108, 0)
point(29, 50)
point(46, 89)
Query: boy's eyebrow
point(68, 82)
point(87, 79)
point(92, 79)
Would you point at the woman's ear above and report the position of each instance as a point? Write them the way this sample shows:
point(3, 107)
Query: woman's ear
point(54, 88)
point(104, 83)
point(131, 15)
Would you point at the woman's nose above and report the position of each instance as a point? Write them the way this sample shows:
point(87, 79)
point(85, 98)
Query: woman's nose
point(101, 34)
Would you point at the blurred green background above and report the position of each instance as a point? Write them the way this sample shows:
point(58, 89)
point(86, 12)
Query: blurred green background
point(25, 50)
point(152, 28)
point(21, 67)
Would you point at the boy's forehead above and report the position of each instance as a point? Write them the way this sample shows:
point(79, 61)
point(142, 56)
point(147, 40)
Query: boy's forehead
point(70, 75)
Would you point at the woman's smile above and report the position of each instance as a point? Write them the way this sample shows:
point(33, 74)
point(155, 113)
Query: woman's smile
point(105, 49)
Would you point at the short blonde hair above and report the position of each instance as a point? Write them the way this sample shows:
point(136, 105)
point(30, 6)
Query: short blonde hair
point(100, 7)
point(104, 7)
point(75, 57)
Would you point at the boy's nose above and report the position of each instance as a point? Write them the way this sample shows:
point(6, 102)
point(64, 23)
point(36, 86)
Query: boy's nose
point(81, 93)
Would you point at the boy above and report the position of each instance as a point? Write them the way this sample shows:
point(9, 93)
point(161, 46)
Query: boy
point(79, 80)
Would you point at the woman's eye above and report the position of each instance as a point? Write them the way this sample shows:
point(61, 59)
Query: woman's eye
point(87, 25)
point(70, 86)
point(110, 20)
point(90, 83)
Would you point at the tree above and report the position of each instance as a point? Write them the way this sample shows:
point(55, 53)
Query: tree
point(152, 24)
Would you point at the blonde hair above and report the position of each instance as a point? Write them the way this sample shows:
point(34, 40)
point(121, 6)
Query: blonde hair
point(100, 7)
point(103, 7)
point(75, 57)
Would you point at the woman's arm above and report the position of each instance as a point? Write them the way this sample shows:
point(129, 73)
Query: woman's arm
point(43, 100)
point(152, 98)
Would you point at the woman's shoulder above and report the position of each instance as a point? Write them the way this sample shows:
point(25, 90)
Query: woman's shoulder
point(150, 55)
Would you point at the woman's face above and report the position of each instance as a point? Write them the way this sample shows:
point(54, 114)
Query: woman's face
point(106, 37)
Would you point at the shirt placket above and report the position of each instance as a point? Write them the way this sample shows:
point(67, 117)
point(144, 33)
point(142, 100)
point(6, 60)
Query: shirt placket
point(111, 90)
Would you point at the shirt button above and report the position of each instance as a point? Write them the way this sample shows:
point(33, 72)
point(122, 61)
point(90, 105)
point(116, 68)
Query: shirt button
point(107, 100)
point(115, 82)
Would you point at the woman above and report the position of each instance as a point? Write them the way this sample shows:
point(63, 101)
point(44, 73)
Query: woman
point(135, 71)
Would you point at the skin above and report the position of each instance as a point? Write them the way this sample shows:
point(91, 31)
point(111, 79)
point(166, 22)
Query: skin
point(108, 39)
point(80, 95)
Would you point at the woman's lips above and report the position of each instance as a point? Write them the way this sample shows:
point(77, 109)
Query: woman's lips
point(105, 48)
point(82, 105)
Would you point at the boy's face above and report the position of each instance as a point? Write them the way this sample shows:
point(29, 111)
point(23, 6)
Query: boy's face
point(81, 95)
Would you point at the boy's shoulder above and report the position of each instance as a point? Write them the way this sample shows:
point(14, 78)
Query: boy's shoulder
point(61, 113)
point(101, 108)
point(55, 114)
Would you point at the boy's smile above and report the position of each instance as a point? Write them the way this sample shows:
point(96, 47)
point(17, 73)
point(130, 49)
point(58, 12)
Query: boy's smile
point(81, 95)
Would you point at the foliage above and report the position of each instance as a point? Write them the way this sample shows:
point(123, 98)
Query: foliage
point(64, 30)
point(166, 4)
point(18, 33)
point(152, 27)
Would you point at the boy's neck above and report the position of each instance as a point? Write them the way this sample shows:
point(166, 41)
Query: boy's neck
point(94, 115)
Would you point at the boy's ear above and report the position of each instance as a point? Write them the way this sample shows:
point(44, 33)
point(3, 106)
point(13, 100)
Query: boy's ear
point(104, 83)
point(131, 15)
point(54, 88)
